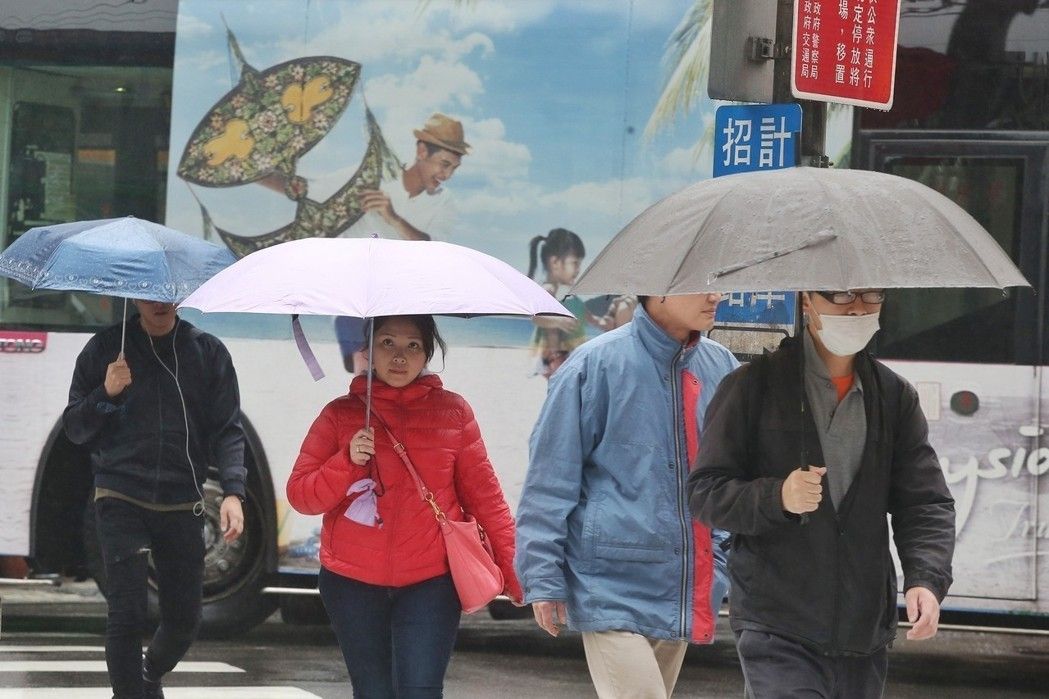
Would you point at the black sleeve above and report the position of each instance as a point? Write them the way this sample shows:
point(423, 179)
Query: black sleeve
point(920, 502)
point(89, 408)
point(226, 432)
point(721, 491)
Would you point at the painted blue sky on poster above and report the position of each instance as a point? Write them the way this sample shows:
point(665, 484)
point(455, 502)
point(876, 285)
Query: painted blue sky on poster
point(554, 96)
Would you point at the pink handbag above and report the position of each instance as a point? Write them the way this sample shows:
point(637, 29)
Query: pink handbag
point(476, 577)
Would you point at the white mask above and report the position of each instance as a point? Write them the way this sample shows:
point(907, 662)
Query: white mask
point(847, 335)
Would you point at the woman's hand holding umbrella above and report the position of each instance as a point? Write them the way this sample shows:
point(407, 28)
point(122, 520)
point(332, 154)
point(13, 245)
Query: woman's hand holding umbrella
point(362, 446)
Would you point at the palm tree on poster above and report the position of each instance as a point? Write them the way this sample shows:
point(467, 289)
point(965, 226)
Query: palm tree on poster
point(688, 59)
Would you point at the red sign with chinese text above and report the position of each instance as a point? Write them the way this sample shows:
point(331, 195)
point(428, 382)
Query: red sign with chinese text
point(845, 51)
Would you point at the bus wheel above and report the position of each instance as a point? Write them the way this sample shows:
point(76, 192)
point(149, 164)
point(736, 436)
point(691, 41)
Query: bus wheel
point(234, 573)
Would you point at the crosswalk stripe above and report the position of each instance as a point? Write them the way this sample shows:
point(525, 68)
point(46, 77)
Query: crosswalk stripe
point(24, 666)
point(52, 649)
point(169, 692)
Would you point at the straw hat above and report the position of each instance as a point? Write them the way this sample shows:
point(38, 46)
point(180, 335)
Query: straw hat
point(444, 132)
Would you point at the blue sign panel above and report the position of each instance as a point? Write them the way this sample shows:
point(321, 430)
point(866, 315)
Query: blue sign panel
point(748, 138)
point(755, 137)
point(761, 308)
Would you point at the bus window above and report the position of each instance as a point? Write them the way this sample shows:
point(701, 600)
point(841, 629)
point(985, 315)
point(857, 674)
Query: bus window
point(87, 142)
point(960, 325)
point(969, 64)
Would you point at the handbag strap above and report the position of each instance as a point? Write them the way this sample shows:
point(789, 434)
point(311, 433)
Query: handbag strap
point(398, 447)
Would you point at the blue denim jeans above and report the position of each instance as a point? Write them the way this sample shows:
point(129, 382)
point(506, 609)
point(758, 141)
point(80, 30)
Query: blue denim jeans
point(396, 641)
point(126, 532)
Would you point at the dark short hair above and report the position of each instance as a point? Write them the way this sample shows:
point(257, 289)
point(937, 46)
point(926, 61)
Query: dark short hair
point(426, 326)
point(432, 148)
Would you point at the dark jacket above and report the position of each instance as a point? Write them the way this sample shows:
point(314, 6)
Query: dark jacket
point(138, 439)
point(828, 583)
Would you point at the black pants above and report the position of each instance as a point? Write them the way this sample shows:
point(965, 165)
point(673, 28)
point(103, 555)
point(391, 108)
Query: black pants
point(127, 534)
point(778, 668)
point(396, 641)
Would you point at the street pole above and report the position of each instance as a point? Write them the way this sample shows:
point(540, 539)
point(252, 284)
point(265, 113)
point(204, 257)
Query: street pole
point(813, 114)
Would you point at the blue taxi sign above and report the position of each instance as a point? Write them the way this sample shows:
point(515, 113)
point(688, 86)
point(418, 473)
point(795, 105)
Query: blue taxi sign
point(748, 138)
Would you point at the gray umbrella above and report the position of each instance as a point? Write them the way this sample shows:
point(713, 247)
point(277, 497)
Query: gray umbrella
point(799, 229)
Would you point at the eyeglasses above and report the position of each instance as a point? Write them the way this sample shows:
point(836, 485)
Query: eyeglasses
point(844, 298)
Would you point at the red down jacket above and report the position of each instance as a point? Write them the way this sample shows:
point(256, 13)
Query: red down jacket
point(444, 443)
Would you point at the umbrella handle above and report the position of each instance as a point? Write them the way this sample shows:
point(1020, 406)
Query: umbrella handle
point(371, 346)
point(368, 392)
point(123, 329)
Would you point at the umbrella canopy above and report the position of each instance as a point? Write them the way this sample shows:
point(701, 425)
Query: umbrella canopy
point(127, 257)
point(369, 277)
point(800, 229)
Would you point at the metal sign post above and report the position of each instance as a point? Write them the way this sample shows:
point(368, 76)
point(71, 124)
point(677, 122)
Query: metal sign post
point(750, 138)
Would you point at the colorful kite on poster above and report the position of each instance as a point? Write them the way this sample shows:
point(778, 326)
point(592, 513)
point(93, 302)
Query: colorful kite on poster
point(258, 131)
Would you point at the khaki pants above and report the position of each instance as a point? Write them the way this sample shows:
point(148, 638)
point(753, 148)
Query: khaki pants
point(625, 665)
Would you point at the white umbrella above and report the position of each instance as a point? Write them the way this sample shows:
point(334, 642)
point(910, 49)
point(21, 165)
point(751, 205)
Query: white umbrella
point(370, 277)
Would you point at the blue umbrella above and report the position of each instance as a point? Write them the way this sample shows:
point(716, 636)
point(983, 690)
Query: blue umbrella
point(127, 257)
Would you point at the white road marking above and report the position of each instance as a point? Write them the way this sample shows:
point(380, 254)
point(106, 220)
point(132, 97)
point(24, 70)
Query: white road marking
point(52, 649)
point(24, 666)
point(169, 692)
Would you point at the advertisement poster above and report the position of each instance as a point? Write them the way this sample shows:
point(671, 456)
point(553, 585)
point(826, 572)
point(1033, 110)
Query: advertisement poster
point(555, 123)
point(287, 115)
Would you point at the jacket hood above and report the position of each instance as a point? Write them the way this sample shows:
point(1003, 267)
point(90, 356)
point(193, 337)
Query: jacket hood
point(422, 385)
point(656, 341)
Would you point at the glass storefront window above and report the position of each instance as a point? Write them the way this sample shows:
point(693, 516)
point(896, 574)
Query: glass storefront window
point(970, 64)
point(85, 142)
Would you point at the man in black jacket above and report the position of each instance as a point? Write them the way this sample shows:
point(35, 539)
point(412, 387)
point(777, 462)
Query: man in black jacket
point(155, 417)
point(813, 601)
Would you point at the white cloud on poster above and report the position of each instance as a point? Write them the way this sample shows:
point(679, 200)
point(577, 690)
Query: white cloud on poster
point(608, 199)
point(512, 199)
point(687, 163)
point(505, 17)
point(201, 62)
point(497, 17)
point(192, 27)
point(403, 103)
point(492, 157)
point(378, 31)
point(434, 83)
point(648, 13)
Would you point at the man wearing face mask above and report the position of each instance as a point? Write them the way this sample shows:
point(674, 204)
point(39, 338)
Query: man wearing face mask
point(805, 452)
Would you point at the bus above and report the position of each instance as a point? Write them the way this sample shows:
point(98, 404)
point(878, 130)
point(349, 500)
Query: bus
point(98, 107)
point(971, 120)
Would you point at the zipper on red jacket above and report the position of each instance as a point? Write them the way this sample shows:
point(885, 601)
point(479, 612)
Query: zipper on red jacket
point(682, 519)
point(703, 568)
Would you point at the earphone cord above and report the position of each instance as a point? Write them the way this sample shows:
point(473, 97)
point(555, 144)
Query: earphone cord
point(198, 508)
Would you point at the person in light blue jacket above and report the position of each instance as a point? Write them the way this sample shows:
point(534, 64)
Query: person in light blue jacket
point(605, 543)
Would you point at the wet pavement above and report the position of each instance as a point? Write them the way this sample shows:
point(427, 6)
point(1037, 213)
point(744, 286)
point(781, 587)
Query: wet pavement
point(51, 647)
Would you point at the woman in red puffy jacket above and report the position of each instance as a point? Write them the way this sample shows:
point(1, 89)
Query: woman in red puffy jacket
point(384, 574)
